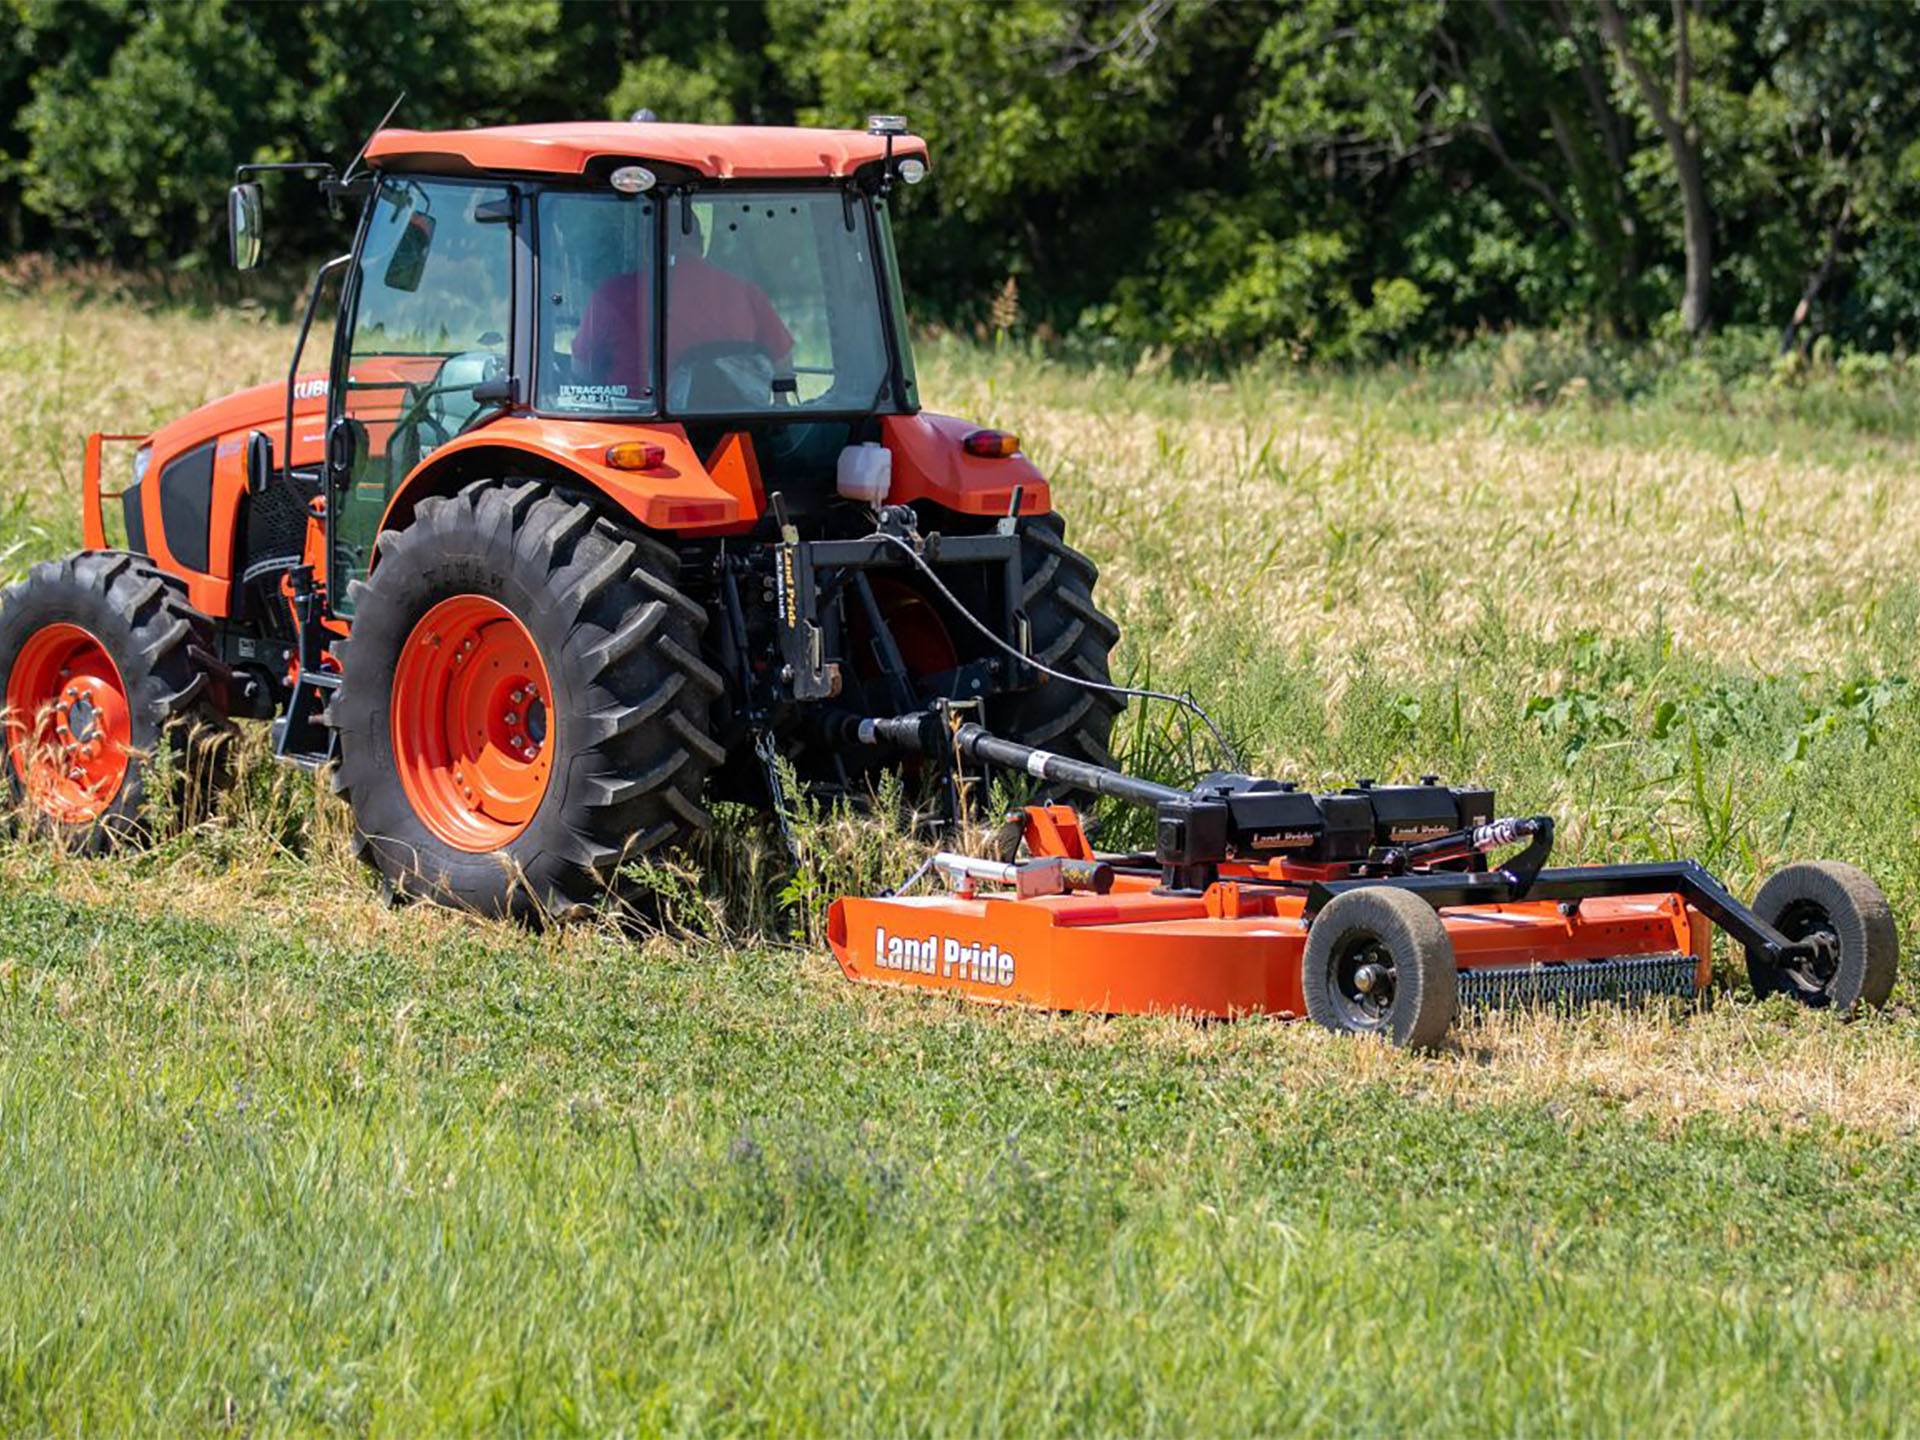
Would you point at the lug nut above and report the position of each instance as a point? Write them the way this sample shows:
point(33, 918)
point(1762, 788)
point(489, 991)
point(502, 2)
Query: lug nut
point(512, 717)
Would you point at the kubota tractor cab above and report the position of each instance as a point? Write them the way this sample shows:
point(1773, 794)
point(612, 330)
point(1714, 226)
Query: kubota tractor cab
point(616, 487)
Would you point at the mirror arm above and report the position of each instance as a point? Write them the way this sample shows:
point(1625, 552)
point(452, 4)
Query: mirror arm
point(337, 190)
point(322, 168)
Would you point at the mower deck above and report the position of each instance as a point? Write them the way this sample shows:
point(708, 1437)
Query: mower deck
point(1237, 948)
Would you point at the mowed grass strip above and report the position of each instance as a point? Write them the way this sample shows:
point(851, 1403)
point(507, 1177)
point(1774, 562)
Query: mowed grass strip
point(257, 1183)
point(276, 1158)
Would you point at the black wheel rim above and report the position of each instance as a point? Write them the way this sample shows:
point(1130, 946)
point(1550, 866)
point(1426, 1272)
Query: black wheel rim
point(1362, 979)
point(1811, 977)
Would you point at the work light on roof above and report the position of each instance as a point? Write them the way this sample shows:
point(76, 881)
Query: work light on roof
point(886, 124)
point(913, 170)
point(632, 179)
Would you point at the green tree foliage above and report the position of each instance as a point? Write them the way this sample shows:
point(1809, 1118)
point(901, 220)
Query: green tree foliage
point(1326, 178)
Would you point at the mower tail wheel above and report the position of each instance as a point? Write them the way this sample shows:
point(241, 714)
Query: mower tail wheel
point(1378, 961)
point(109, 680)
point(1827, 899)
point(523, 707)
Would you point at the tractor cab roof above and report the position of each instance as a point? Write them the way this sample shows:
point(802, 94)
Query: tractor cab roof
point(718, 152)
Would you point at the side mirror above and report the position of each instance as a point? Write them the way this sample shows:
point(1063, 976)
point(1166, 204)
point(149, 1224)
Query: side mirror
point(243, 225)
point(259, 462)
point(409, 259)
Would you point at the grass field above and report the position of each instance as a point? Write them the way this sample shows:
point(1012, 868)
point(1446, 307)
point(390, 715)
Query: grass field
point(277, 1159)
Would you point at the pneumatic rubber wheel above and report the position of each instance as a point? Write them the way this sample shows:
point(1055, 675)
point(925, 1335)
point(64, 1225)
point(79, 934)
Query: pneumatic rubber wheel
point(523, 707)
point(109, 676)
point(1071, 634)
point(1378, 962)
point(1838, 904)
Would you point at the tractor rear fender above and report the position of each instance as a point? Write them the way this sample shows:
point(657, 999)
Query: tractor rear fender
point(931, 463)
point(673, 497)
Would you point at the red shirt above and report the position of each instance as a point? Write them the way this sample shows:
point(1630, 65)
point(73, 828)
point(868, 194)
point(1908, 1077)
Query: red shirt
point(614, 346)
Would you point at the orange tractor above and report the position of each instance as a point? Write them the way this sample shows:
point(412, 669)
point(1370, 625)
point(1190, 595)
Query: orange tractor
point(615, 479)
point(616, 496)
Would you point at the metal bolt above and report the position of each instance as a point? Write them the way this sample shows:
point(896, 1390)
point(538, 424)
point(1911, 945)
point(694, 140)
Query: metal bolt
point(512, 717)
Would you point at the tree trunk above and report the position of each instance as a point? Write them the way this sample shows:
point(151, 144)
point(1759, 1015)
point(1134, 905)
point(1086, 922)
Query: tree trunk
point(1818, 279)
point(1671, 114)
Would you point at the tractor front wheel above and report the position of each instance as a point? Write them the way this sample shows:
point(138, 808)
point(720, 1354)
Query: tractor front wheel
point(109, 678)
point(523, 708)
point(1378, 961)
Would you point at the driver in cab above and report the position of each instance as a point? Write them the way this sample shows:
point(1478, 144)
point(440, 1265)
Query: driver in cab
point(715, 315)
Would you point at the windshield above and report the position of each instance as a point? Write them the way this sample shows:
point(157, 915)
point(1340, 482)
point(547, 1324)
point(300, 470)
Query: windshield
point(773, 305)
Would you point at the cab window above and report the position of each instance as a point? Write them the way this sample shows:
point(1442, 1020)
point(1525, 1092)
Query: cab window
point(597, 278)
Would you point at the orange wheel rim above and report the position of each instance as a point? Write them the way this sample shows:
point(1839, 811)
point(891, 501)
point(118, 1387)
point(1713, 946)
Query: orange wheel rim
point(69, 727)
point(470, 722)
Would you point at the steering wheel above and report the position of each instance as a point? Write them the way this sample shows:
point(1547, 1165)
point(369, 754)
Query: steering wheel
point(424, 415)
point(722, 375)
point(415, 418)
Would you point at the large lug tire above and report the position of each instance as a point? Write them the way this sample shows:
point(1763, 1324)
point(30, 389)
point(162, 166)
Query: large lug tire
point(579, 741)
point(1378, 961)
point(1070, 634)
point(1840, 902)
point(105, 669)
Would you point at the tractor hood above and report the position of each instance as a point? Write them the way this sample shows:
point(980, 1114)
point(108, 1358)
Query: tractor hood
point(259, 407)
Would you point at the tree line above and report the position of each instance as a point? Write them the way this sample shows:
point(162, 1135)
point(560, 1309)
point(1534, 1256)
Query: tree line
point(1323, 178)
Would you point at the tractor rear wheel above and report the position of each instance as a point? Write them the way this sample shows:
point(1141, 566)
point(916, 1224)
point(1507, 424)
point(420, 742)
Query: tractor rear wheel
point(1071, 634)
point(523, 708)
point(109, 677)
point(1825, 899)
point(1378, 961)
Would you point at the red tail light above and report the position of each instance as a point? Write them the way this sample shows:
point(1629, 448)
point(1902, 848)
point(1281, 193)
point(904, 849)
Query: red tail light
point(991, 444)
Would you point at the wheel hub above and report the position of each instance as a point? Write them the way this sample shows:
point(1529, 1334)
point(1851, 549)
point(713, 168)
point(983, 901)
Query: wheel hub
point(1373, 979)
point(1364, 981)
point(1813, 969)
point(470, 723)
point(69, 726)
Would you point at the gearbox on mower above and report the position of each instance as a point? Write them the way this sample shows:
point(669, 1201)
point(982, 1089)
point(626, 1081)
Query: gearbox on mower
point(616, 475)
point(1376, 909)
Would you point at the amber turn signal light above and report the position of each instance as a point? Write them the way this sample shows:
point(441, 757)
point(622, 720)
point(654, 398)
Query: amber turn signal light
point(635, 455)
point(991, 444)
